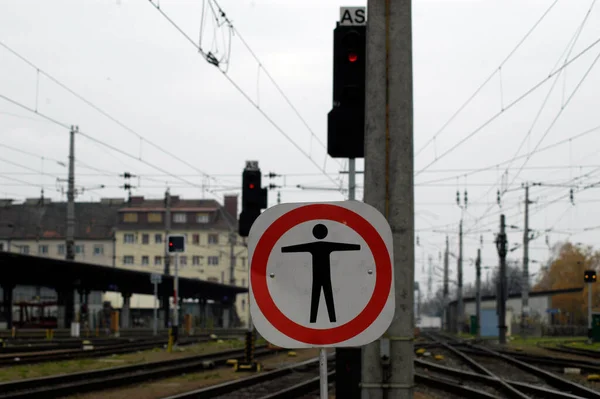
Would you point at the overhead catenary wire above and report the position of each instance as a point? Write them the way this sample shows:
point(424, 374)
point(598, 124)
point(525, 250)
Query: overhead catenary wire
point(98, 109)
point(244, 94)
point(496, 70)
point(509, 106)
point(109, 146)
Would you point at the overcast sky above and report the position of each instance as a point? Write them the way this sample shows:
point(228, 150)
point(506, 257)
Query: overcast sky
point(127, 59)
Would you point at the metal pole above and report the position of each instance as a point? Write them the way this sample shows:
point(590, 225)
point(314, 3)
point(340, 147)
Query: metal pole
point(323, 372)
point(351, 179)
point(590, 312)
point(446, 267)
point(70, 242)
point(167, 257)
point(155, 308)
point(525, 282)
point(389, 184)
point(176, 298)
point(478, 293)
point(501, 244)
point(461, 308)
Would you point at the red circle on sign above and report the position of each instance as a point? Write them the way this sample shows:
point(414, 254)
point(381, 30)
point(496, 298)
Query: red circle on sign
point(260, 289)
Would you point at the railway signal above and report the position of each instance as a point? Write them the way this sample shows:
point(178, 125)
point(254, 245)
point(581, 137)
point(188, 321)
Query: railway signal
point(346, 120)
point(589, 277)
point(254, 197)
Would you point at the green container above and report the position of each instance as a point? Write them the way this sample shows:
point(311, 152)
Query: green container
point(473, 329)
point(596, 327)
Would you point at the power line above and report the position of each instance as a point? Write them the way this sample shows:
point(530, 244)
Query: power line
point(464, 105)
point(244, 94)
point(509, 106)
point(495, 166)
point(113, 148)
point(262, 67)
point(100, 110)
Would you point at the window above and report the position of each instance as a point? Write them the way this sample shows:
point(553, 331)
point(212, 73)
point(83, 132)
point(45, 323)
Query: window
point(79, 249)
point(61, 249)
point(196, 239)
point(158, 238)
point(213, 238)
point(154, 217)
point(128, 260)
point(42, 249)
point(202, 218)
point(128, 238)
point(145, 238)
point(98, 249)
point(179, 218)
point(145, 260)
point(243, 282)
point(195, 260)
point(243, 260)
point(212, 279)
point(24, 249)
point(243, 305)
point(157, 260)
point(183, 260)
point(130, 217)
point(213, 260)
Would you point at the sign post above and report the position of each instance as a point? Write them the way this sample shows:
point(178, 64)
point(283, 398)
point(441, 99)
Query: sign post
point(155, 279)
point(344, 249)
point(176, 245)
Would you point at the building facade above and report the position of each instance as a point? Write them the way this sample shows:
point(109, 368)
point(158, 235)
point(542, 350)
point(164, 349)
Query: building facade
point(38, 227)
point(214, 251)
point(130, 234)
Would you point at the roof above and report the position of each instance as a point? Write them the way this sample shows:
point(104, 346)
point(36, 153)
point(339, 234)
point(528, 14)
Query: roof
point(95, 220)
point(219, 219)
point(518, 295)
point(46, 272)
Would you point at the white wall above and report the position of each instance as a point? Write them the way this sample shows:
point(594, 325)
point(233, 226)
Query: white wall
point(537, 306)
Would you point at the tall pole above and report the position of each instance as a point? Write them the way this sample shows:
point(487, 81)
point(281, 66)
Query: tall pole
point(446, 267)
point(501, 245)
point(167, 257)
point(176, 299)
point(478, 293)
point(590, 340)
point(70, 239)
point(460, 310)
point(389, 185)
point(155, 308)
point(525, 282)
point(352, 179)
point(430, 278)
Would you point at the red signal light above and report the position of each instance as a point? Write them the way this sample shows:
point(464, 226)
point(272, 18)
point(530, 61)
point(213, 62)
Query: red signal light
point(352, 57)
point(170, 244)
point(251, 186)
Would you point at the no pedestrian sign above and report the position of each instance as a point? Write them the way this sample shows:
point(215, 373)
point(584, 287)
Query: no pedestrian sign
point(321, 274)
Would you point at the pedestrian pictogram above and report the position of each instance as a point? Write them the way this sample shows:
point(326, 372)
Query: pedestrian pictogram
point(340, 249)
point(321, 276)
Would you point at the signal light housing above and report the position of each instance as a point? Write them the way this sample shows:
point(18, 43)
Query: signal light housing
point(176, 243)
point(254, 198)
point(346, 120)
point(589, 276)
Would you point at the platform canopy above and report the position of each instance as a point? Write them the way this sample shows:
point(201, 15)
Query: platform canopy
point(53, 273)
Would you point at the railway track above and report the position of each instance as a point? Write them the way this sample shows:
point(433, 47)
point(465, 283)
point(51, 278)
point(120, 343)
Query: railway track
point(286, 382)
point(87, 381)
point(572, 351)
point(69, 354)
point(509, 376)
